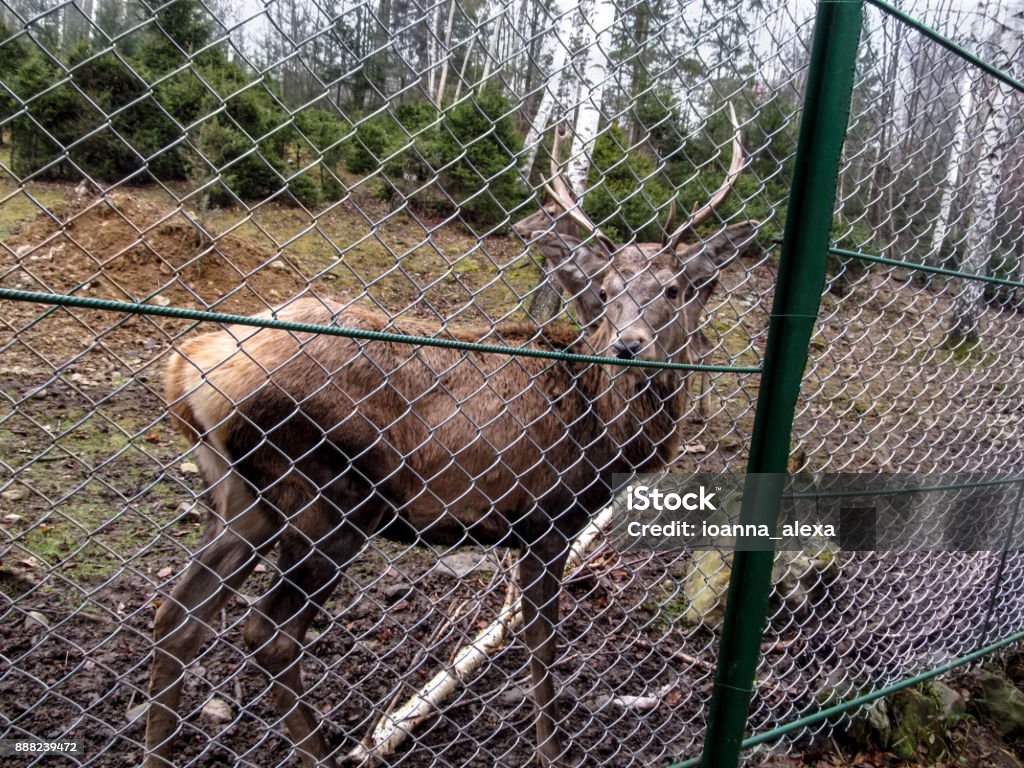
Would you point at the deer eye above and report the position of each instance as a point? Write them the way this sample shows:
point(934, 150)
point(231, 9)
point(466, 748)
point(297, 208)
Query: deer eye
point(603, 295)
point(672, 292)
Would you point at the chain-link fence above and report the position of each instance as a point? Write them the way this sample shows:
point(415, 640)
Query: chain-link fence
point(469, 261)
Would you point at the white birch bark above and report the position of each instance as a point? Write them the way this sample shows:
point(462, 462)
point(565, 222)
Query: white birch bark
point(957, 152)
point(492, 48)
point(446, 59)
point(462, 69)
point(595, 77)
point(555, 48)
point(432, 20)
point(958, 149)
point(988, 180)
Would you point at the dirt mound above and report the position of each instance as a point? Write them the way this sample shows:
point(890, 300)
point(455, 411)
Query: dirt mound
point(128, 248)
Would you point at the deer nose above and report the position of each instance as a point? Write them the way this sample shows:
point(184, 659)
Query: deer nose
point(626, 350)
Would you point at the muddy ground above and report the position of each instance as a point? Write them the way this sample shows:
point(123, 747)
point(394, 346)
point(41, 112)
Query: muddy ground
point(99, 508)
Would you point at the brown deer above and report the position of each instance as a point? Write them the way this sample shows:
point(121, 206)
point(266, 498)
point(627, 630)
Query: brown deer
point(563, 214)
point(315, 443)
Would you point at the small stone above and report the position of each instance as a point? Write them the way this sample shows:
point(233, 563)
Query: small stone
point(18, 493)
point(77, 378)
point(278, 264)
point(189, 468)
point(510, 697)
point(952, 705)
point(187, 509)
point(36, 620)
point(164, 573)
point(11, 519)
point(161, 301)
point(218, 710)
point(396, 592)
point(1002, 702)
point(463, 564)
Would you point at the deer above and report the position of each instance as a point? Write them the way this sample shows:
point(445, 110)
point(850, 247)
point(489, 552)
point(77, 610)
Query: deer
point(563, 214)
point(314, 443)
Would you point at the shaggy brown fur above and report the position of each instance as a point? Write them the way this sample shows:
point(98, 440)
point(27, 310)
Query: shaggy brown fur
point(317, 442)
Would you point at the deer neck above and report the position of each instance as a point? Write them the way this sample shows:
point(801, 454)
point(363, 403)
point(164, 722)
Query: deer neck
point(640, 410)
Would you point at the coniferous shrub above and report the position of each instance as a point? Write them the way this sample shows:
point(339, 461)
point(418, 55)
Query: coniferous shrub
point(624, 195)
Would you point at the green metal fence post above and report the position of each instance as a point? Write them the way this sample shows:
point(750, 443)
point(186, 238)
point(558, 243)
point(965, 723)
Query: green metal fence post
point(797, 295)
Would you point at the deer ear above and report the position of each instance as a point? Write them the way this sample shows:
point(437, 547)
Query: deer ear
point(576, 269)
point(724, 246)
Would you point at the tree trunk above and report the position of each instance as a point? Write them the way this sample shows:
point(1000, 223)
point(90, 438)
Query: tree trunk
point(639, 80)
point(556, 46)
point(595, 77)
point(957, 155)
point(988, 182)
point(447, 55)
point(547, 300)
point(492, 48)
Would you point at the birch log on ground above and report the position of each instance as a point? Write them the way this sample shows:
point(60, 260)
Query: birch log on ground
point(395, 727)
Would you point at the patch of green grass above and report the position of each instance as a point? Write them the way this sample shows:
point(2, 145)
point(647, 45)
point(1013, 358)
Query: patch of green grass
point(669, 606)
point(17, 207)
point(963, 354)
point(93, 493)
point(66, 538)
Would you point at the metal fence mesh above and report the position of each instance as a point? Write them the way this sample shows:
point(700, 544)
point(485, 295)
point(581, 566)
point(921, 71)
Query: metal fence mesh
point(375, 157)
point(892, 384)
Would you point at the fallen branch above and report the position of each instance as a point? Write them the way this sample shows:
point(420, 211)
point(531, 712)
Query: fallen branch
point(393, 728)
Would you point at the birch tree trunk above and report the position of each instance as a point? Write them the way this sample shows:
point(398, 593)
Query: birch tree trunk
point(492, 48)
point(987, 185)
point(547, 299)
point(555, 47)
point(958, 150)
point(957, 153)
point(595, 76)
point(432, 20)
point(447, 56)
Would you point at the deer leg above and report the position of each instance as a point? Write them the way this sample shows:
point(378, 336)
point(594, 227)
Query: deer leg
point(280, 620)
point(540, 579)
point(705, 392)
point(699, 352)
point(183, 619)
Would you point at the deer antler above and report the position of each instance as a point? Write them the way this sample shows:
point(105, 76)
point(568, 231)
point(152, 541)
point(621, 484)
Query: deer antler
point(562, 195)
point(669, 222)
point(698, 216)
